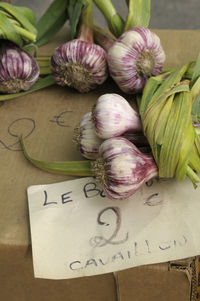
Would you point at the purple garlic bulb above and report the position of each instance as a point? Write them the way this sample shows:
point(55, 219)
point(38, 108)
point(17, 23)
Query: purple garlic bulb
point(122, 169)
point(134, 57)
point(112, 116)
point(80, 65)
point(18, 69)
point(86, 139)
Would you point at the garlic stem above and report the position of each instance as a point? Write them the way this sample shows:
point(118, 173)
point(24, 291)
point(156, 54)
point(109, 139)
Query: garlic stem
point(44, 64)
point(193, 176)
point(189, 73)
point(128, 23)
point(138, 14)
point(71, 168)
point(85, 31)
point(114, 20)
point(42, 56)
point(103, 37)
point(45, 70)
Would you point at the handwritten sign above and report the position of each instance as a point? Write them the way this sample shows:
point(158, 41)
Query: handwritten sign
point(25, 126)
point(76, 231)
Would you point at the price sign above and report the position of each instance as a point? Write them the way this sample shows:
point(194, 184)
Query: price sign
point(76, 231)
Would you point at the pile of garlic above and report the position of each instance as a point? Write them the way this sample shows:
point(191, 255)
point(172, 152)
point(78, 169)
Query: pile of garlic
point(106, 135)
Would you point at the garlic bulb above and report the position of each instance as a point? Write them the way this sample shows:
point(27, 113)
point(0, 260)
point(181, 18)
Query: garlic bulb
point(113, 116)
point(79, 64)
point(122, 168)
point(134, 57)
point(18, 69)
point(86, 139)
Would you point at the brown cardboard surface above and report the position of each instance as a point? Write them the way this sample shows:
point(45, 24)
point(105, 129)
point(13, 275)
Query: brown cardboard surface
point(17, 284)
point(47, 119)
point(166, 281)
point(157, 285)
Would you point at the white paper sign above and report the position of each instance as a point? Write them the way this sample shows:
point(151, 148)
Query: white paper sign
point(76, 231)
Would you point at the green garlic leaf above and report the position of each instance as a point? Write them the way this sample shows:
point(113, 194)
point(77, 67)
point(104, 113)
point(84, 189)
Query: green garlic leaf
point(51, 32)
point(196, 72)
point(8, 31)
point(18, 14)
point(71, 168)
point(51, 21)
point(74, 11)
point(27, 13)
point(196, 110)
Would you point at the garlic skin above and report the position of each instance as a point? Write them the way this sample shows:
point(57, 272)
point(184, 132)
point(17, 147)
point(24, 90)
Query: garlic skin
point(80, 65)
point(86, 139)
point(112, 116)
point(134, 57)
point(122, 168)
point(18, 69)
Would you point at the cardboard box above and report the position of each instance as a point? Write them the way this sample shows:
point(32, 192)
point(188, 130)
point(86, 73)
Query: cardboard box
point(47, 119)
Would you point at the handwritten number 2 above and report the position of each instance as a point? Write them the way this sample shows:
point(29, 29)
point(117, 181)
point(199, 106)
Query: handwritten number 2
point(100, 241)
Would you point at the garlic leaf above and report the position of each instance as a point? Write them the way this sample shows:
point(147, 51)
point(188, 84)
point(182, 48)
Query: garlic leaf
point(17, 13)
point(74, 11)
point(28, 13)
point(72, 168)
point(196, 72)
point(52, 30)
point(8, 31)
point(196, 110)
point(195, 89)
point(51, 21)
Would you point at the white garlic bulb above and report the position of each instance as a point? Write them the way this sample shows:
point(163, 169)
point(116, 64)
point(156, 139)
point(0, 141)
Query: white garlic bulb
point(113, 115)
point(134, 57)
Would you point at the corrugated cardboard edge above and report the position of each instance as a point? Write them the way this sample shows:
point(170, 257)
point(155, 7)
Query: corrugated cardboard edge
point(189, 266)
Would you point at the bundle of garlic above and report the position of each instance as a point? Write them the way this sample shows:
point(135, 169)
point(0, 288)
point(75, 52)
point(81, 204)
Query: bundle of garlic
point(132, 59)
point(112, 116)
point(106, 137)
point(169, 114)
point(169, 106)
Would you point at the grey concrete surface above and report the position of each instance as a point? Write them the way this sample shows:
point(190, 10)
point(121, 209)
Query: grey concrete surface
point(165, 14)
